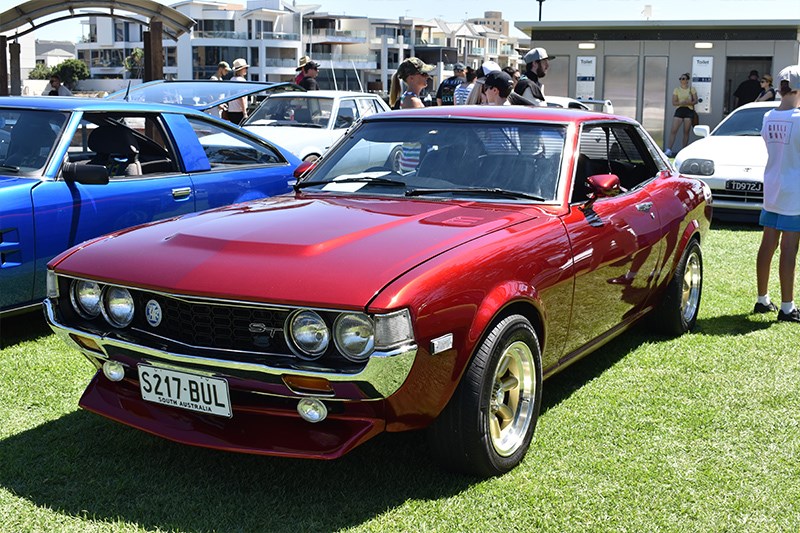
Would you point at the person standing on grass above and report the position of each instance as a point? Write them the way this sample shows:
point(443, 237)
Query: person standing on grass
point(780, 216)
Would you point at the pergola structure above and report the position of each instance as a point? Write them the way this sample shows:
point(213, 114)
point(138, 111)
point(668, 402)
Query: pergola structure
point(34, 14)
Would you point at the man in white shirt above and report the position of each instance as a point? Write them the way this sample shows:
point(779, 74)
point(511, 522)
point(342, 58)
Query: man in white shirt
point(55, 88)
point(781, 214)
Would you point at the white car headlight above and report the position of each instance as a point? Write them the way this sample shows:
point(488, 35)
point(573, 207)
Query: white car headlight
point(354, 335)
point(117, 306)
point(697, 167)
point(86, 298)
point(309, 334)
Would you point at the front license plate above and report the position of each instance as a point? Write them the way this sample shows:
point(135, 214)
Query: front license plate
point(186, 391)
point(748, 186)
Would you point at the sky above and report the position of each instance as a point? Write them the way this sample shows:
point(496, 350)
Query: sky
point(519, 10)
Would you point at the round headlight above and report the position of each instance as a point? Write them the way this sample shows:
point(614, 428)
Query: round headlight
point(698, 167)
point(309, 334)
point(354, 335)
point(86, 297)
point(117, 306)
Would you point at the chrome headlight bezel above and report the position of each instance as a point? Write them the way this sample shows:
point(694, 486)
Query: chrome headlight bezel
point(317, 326)
point(697, 167)
point(118, 306)
point(350, 327)
point(81, 304)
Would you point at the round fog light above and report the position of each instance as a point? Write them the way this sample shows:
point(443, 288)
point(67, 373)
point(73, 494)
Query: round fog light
point(114, 370)
point(312, 410)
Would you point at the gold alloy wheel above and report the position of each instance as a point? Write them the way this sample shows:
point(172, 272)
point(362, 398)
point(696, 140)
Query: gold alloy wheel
point(511, 401)
point(692, 283)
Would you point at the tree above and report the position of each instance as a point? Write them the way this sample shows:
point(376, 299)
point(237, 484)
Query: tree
point(41, 72)
point(70, 71)
point(134, 63)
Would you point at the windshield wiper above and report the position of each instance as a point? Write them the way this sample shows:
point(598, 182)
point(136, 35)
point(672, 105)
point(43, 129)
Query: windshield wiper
point(292, 124)
point(372, 180)
point(476, 190)
point(12, 168)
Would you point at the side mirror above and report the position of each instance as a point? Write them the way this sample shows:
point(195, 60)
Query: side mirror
point(85, 174)
point(701, 130)
point(303, 168)
point(604, 185)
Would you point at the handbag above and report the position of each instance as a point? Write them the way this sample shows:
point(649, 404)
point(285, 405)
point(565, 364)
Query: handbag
point(695, 118)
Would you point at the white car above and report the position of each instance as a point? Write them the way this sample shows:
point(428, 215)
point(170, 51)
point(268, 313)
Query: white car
point(308, 123)
point(577, 103)
point(731, 159)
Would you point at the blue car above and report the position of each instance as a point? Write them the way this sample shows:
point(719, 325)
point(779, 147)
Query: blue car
point(72, 169)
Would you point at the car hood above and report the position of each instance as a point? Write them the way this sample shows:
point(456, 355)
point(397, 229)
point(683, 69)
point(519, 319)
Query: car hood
point(727, 152)
point(332, 252)
point(298, 140)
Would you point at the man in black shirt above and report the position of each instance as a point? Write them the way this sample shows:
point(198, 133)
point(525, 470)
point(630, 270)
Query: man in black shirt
point(748, 90)
point(310, 72)
point(529, 85)
point(447, 89)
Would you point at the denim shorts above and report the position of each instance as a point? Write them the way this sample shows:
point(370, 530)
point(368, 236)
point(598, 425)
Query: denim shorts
point(779, 222)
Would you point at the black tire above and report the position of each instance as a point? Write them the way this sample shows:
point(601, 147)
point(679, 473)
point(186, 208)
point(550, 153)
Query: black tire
point(488, 424)
point(677, 313)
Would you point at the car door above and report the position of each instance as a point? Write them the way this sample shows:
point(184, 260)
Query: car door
point(616, 242)
point(67, 213)
point(230, 165)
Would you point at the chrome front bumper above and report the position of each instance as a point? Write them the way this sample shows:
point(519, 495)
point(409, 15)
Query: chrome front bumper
point(383, 374)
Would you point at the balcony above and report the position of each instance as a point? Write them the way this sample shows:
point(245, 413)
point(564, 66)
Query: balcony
point(430, 42)
point(508, 51)
point(210, 34)
point(278, 36)
point(328, 35)
point(276, 62)
point(477, 51)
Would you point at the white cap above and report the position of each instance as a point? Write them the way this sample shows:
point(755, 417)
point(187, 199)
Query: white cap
point(536, 54)
point(490, 66)
point(792, 75)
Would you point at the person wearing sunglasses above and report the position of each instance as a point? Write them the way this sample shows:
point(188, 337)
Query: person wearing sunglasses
point(767, 90)
point(415, 73)
point(684, 98)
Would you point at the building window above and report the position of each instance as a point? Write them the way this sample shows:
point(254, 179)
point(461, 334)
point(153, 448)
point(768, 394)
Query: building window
point(170, 56)
point(119, 32)
point(206, 58)
point(254, 56)
point(217, 29)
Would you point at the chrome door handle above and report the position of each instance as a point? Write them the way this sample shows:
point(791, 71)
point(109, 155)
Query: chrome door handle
point(181, 193)
point(644, 206)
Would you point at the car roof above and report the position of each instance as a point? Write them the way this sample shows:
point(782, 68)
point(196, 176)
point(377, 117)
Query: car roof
point(323, 94)
point(773, 103)
point(511, 112)
point(74, 103)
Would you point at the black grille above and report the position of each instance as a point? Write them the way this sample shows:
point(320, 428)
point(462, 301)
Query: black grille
point(216, 326)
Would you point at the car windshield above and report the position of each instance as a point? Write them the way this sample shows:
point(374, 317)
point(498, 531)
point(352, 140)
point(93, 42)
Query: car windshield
point(743, 122)
point(200, 94)
point(299, 111)
point(445, 158)
point(27, 139)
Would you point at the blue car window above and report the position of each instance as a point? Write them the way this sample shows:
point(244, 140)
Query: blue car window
point(27, 138)
point(225, 148)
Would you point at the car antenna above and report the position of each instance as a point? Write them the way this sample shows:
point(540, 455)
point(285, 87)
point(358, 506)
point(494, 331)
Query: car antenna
point(128, 92)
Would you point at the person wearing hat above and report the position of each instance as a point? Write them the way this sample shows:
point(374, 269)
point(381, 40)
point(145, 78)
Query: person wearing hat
point(445, 95)
point(237, 109)
point(300, 64)
point(497, 87)
point(529, 86)
point(223, 68)
point(477, 96)
point(780, 215)
point(310, 73)
point(415, 73)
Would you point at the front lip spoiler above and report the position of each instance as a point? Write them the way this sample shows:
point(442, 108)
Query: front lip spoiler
point(384, 373)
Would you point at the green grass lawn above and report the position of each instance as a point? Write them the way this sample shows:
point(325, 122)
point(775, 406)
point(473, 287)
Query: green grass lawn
point(699, 433)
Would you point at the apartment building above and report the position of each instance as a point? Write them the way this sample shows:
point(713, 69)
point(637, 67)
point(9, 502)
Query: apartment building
point(355, 53)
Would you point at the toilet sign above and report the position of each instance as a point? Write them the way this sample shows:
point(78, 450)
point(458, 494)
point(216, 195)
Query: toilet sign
point(585, 73)
point(702, 71)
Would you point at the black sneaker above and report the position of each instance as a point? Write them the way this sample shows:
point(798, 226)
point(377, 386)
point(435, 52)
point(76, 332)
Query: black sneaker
point(792, 316)
point(765, 308)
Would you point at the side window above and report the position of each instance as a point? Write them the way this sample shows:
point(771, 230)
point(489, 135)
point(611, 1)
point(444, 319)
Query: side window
point(367, 107)
point(612, 149)
point(128, 145)
point(347, 114)
point(227, 148)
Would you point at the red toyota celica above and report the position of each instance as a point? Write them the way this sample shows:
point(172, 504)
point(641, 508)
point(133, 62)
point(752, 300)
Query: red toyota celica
point(430, 271)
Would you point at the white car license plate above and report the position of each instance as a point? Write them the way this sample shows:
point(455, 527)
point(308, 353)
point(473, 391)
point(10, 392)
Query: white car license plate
point(748, 186)
point(187, 391)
